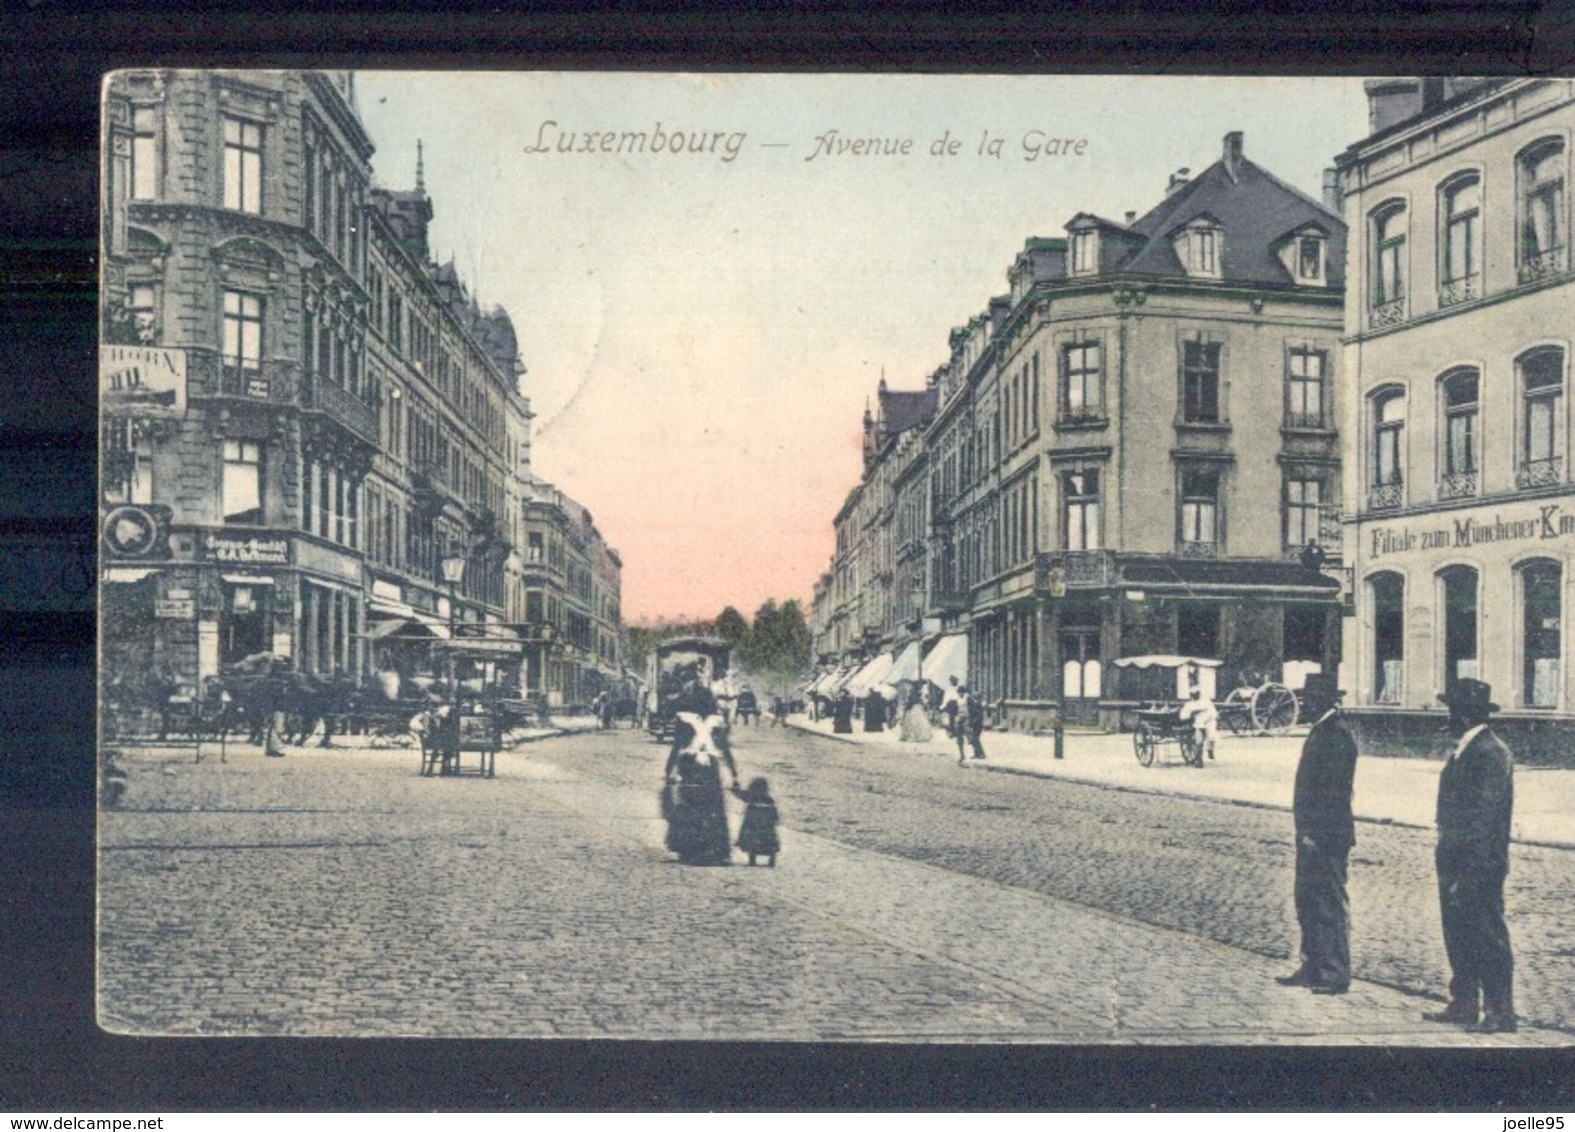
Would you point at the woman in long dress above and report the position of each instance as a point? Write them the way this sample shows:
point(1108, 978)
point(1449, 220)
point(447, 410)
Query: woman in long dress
point(916, 718)
point(693, 803)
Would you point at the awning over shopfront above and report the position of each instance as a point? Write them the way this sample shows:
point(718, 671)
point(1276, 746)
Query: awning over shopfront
point(1224, 577)
point(948, 658)
point(906, 666)
point(873, 672)
point(400, 628)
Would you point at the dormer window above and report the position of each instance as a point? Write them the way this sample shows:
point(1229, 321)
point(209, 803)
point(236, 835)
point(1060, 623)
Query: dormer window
point(1085, 252)
point(1199, 247)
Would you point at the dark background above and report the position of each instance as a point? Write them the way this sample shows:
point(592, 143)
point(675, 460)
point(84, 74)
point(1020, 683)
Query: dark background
point(53, 1058)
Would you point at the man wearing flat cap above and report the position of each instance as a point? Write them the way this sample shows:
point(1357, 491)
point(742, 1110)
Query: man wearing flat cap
point(1325, 833)
point(1475, 799)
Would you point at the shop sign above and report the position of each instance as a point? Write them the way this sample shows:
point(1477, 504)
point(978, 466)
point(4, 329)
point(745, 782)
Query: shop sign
point(144, 381)
point(265, 550)
point(1542, 522)
point(176, 608)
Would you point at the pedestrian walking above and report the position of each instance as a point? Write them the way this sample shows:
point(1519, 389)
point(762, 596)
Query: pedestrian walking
point(874, 711)
point(1325, 833)
point(915, 720)
point(969, 727)
point(842, 713)
point(757, 833)
point(951, 701)
point(1475, 802)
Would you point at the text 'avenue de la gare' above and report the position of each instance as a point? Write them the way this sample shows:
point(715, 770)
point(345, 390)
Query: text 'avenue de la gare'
point(725, 145)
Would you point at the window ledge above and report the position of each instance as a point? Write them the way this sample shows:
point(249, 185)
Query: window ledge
point(1081, 424)
point(1203, 426)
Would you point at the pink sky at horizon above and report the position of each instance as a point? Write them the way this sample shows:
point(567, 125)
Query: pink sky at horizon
point(702, 334)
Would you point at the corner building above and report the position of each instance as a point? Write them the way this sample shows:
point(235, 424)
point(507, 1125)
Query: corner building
point(1459, 330)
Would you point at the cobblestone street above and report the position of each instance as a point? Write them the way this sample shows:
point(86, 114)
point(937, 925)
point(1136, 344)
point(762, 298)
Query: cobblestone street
point(339, 893)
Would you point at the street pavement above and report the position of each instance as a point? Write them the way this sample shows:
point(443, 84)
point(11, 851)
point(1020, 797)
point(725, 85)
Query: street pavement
point(336, 892)
point(1256, 770)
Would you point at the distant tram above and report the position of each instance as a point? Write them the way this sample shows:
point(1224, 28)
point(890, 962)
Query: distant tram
point(673, 663)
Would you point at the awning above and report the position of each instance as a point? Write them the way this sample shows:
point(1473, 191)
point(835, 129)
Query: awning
point(873, 672)
point(840, 680)
point(128, 573)
point(1166, 661)
point(821, 683)
point(906, 666)
point(247, 579)
point(948, 658)
point(397, 628)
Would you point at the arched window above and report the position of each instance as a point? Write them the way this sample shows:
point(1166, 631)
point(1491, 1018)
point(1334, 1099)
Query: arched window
point(1542, 203)
point(1390, 228)
point(1388, 439)
point(1542, 417)
point(1458, 589)
point(1388, 605)
point(1541, 643)
point(1458, 400)
point(1459, 245)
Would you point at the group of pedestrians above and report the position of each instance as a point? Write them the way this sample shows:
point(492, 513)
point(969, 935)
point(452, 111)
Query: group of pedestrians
point(1475, 801)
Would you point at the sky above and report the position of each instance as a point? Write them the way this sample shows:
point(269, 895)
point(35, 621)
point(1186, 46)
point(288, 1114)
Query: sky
point(703, 329)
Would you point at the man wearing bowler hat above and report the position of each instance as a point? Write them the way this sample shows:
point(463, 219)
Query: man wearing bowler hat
point(1475, 799)
point(1325, 833)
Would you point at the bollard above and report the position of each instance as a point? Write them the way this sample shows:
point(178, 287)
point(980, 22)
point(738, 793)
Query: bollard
point(1060, 739)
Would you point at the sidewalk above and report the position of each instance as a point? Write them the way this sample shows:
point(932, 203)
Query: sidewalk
point(1249, 770)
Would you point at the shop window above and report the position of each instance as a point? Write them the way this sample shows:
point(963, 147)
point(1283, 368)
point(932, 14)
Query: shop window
point(242, 482)
point(1458, 586)
point(1198, 629)
point(1388, 605)
point(1200, 382)
point(1541, 638)
point(243, 626)
point(1542, 410)
point(242, 165)
point(1542, 210)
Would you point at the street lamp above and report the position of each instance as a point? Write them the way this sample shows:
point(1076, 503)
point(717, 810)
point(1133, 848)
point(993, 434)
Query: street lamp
point(453, 566)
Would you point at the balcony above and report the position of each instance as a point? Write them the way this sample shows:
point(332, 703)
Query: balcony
point(268, 382)
point(1458, 485)
point(949, 601)
point(1075, 569)
point(354, 415)
point(1390, 313)
point(1542, 265)
point(1457, 291)
point(1386, 496)
point(1540, 473)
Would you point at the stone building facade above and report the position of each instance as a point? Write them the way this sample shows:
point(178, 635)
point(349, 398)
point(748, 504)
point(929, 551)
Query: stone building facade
point(1459, 330)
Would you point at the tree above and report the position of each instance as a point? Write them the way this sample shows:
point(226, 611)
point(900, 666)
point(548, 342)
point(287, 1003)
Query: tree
point(731, 627)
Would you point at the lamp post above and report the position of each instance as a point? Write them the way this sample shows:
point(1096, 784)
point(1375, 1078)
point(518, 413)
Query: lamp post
point(453, 566)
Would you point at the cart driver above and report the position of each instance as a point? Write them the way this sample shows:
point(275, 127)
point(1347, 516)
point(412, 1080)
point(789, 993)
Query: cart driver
point(1205, 721)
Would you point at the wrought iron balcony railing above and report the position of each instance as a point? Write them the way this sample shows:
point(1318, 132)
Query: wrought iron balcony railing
point(1197, 548)
point(1540, 473)
point(1386, 496)
point(208, 376)
point(1457, 485)
point(1542, 265)
point(348, 410)
point(1456, 291)
point(1313, 419)
point(1390, 313)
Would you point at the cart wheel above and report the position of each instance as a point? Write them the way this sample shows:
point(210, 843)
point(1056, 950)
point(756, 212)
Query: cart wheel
point(1274, 709)
point(1191, 748)
point(1143, 744)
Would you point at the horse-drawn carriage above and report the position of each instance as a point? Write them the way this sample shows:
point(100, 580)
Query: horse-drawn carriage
point(679, 667)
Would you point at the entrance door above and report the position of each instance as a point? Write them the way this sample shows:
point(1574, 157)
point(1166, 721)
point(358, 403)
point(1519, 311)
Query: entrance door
point(1082, 676)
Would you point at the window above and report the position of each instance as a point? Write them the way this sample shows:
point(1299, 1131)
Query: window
point(128, 462)
point(141, 304)
point(242, 482)
point(1542, 218)
point(1305, 388)
point(1460, 433)
point(1458, 586)
point(242, 332)
point(533, 550)
point(1388, 605)
point(1081, 493)
point(1542, 389)
point(1388, 449)
point(1459, 249)
point(1303, 505)
point(1309, 259)
point(1085, 252)
point(1080, 381)
point(1541, 637)
point(1199, 250)
point(1199, 512)
point(1200, 382)
point(144, 172)
point(242, 165)
point(1389, 239)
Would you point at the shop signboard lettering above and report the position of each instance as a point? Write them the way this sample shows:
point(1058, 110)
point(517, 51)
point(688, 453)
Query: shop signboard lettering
point(264, 550)
point(178, 609)
point(1544, 522)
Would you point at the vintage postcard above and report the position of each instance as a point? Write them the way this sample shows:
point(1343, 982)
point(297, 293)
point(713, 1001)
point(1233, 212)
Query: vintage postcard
point(901, 559)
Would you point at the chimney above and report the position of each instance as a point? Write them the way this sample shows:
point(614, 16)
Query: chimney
point(1232, 156)
point(1391, 100)
point(1177, 180)
point(1331, 191)
point(1131, 216)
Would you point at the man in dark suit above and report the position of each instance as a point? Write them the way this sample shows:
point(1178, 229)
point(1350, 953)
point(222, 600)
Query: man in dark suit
point(1475, 800)
point(1325, 832)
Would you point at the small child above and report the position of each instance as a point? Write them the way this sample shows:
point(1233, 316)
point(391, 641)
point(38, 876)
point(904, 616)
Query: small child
point(757, 835)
